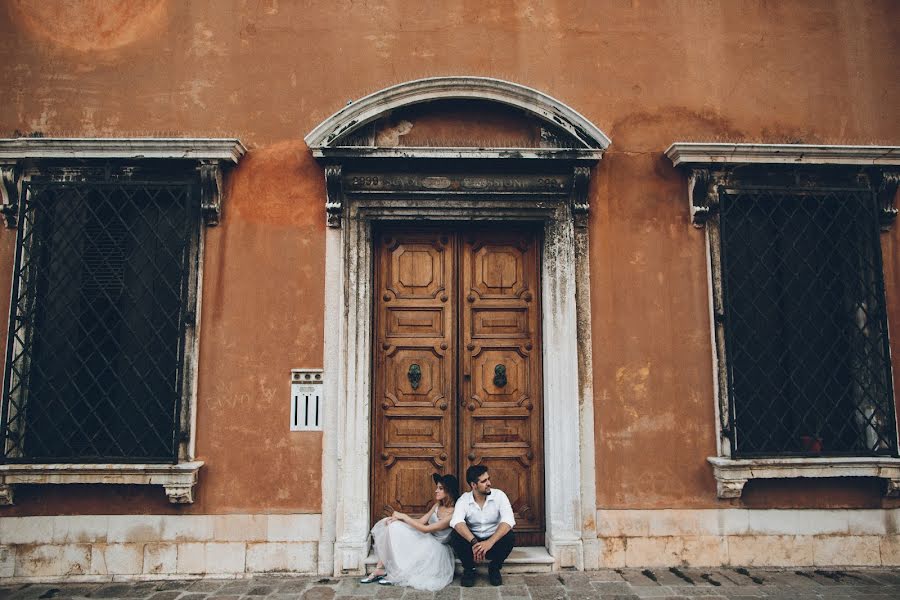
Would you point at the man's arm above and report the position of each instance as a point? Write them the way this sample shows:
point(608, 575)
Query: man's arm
point(463, 530)
point(482, 548)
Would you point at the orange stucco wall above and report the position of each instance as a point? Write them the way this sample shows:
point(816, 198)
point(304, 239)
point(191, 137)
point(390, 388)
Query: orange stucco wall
point(267, 71)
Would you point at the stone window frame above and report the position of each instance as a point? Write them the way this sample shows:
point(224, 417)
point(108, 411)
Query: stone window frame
point(707, 166)
point(22, 158)
point(351, 212)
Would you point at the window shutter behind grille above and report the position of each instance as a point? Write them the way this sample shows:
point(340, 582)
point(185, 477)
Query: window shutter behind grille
point(104, 259)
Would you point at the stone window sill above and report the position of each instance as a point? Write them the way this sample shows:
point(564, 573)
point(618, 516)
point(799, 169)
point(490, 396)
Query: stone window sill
point(178, 480)
point(732, 474)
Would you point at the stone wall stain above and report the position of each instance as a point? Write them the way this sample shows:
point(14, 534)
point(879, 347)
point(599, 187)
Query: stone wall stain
point(89, 25)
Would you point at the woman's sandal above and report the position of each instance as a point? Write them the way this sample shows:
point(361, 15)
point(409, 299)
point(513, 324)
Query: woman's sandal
point(373, 578)
point(384, 581)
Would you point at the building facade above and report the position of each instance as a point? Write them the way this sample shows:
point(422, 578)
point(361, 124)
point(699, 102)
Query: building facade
point(270, 265)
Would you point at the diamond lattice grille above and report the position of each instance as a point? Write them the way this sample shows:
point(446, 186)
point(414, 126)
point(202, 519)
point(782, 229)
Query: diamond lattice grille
point(805, 323)
point(94, 364)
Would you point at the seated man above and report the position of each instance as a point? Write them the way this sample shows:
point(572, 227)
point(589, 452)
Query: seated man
point(482, 525)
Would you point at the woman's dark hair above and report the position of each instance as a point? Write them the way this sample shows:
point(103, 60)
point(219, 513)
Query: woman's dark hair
point(474, 472)
point(450, 483)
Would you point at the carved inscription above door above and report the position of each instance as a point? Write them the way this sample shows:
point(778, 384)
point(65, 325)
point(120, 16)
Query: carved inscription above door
point(457, 367)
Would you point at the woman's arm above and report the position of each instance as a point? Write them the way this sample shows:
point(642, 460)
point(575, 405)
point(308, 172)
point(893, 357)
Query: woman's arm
point(420, 524)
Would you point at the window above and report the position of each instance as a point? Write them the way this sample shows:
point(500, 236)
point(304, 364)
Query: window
point(100, 374)
point(101, 285)
point(806, 343)
point(802, 362)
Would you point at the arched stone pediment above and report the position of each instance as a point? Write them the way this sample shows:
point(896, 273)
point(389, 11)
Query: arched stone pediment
point(538, 125)
point(458, 137)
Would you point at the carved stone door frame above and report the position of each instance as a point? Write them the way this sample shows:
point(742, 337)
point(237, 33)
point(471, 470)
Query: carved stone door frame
point(366, 185)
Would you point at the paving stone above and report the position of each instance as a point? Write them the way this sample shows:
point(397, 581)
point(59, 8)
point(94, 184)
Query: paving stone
point(547, 592)
point(694, 591)
point(114, 590)
point(412, 594)
point(234, 588)
point(283, 596)
point(491, 593)
point(165, 595)
point(195, 596)
point(686, 576)
point(612, 587)
point(448, 593)
point(619, 597)
point(542, 580)
point(638, 576)
point(574, 578)
point(260, 590)
point(741, 576)
point(513, 590)
point(207, 585)
point(749, 591)
point(319, 592)
point(273, 580)
point(225, 597)
point(293, 585)
point(660, 591)
point(581, 595)
point(390, 591)
point(662, 576)
point(352, 587)
point(77, 590)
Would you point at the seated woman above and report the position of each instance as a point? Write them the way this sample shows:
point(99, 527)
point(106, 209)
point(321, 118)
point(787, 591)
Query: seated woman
point(414, 552)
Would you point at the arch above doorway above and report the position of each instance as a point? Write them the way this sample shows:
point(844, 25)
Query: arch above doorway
point(376, 171)
point(585, 139)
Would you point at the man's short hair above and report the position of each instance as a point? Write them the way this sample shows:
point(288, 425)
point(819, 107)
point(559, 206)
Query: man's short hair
point(474, 472)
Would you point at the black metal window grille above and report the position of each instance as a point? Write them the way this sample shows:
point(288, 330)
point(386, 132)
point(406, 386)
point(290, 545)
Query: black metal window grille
point(805, 323)
point(94, 357)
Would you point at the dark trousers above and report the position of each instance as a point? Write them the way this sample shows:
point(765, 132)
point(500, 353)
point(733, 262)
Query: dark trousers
point(496, 555)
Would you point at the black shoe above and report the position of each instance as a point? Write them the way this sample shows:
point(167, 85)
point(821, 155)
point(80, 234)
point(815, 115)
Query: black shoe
point(467, 579)
point(494, 575)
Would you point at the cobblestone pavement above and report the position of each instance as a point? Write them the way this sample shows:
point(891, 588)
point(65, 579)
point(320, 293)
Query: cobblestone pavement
point(620, 584)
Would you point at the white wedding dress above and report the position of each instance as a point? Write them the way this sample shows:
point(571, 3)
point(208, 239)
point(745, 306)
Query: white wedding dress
point(423, 561)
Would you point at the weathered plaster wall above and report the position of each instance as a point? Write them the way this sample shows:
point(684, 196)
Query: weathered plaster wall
point(645, 72)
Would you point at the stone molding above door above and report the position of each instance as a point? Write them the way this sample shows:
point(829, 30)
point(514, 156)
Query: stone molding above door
point(546, 184)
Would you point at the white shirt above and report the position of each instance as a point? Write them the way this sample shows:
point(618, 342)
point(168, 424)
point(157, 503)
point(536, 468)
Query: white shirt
point(483, 521)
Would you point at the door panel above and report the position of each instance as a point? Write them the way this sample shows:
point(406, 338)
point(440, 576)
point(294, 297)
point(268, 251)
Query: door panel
point(414, 378)
point(458, 368)
point(500, 409)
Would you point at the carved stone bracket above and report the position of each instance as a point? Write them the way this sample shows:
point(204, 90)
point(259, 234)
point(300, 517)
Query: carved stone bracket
point(180, 494)
point(887, 195)
point(211, 191)
point(581, 177)
point(10, 190)
point(731, 488)
point(703, 194)
point(334, 195)
point(6, 495)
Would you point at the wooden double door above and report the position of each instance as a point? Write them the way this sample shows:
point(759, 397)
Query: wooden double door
point(457, 367)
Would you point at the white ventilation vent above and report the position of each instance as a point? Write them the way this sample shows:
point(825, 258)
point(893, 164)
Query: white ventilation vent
point(307, 400)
